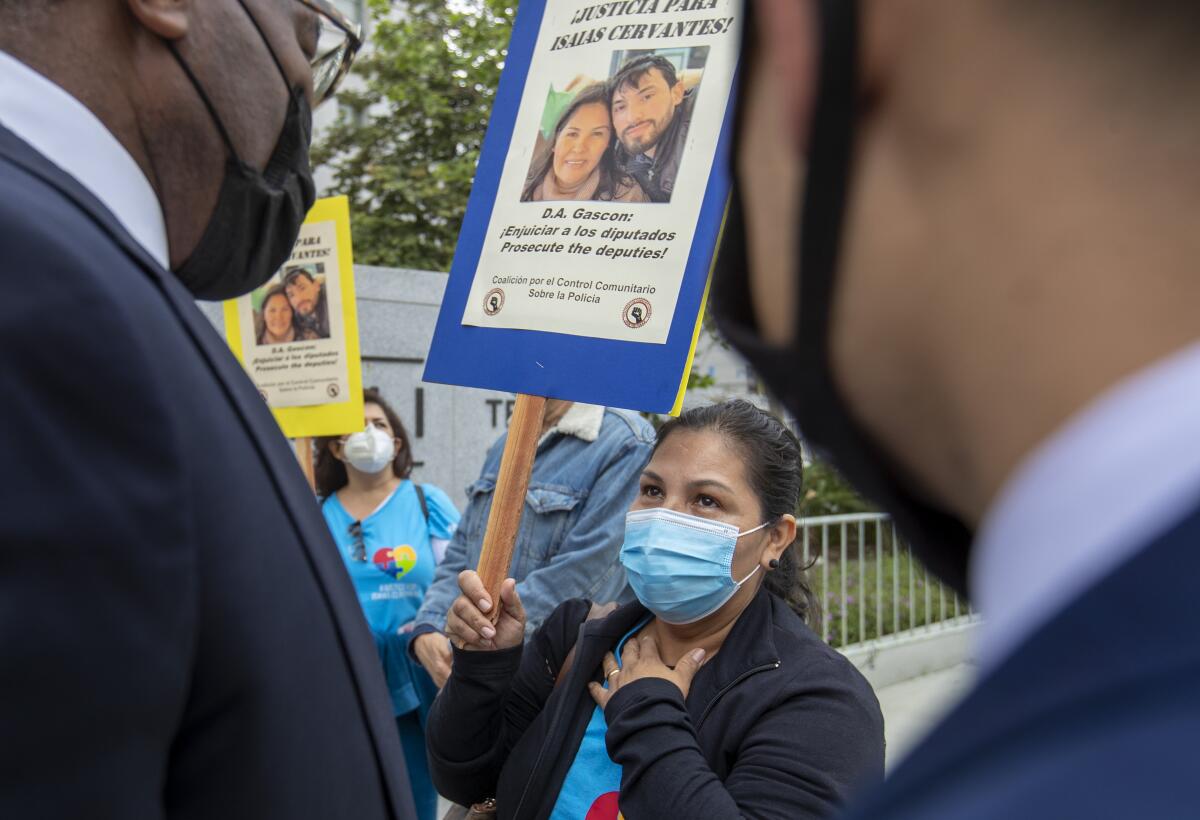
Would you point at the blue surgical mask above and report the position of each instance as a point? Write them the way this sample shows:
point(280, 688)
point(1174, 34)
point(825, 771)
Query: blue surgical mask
point(680, 566)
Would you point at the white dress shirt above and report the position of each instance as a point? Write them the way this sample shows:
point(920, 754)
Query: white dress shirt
point(64, 131)
point(1115, 477)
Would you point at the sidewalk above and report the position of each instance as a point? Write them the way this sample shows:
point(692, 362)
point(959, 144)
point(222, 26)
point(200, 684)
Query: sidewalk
point(912, 707)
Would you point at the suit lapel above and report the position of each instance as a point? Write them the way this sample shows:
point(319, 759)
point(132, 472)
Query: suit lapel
point(1085, 662)
point(289, 483)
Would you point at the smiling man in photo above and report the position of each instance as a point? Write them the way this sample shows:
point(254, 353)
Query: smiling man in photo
point(307, 297)
point(651, 113)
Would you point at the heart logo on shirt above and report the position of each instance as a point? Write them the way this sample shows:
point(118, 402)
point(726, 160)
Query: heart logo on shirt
point(605, 808)
point(395, 562)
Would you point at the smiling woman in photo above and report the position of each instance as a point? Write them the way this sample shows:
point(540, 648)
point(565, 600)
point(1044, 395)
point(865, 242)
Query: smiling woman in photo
point(579, 162)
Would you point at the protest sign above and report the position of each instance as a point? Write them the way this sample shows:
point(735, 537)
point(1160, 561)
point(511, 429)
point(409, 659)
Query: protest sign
point(297, 334)
point(582, 266)
point(583, 263)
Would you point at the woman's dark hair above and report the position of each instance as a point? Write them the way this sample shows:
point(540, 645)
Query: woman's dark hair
point(771, 454)
point(611, 176)
point(331, 472)
point(276, 290)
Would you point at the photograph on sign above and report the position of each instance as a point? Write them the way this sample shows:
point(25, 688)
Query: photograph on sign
point(292, 306)
point(620, 139)
point(291, 326)
point(613, 143)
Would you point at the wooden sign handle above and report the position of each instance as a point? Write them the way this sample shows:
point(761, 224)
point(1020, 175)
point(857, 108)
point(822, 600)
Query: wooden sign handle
point(304, 455)
point(508, 499)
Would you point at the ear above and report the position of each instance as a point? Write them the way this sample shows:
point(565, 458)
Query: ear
point(780, 537)
point(166, 18)
point(677, 92)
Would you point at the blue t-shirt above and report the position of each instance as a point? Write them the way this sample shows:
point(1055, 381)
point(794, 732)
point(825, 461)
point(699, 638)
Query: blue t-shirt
point(593, 782)
point(397, 567)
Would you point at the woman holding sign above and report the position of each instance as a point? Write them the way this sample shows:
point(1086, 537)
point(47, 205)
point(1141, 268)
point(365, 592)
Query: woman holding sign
point(709, 697)
point(580, 163)
point(391, 533)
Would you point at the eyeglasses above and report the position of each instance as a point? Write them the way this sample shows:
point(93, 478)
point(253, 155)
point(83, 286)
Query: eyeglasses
point(359, 552)
point(337, 44)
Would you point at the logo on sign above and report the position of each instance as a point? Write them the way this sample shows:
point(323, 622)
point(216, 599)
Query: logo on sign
point(333, 390)
point(636, 313)
point(493, 301)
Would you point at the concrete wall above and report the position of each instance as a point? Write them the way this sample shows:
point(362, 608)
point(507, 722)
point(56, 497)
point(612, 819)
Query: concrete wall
point(915, 653)
point(451, 427)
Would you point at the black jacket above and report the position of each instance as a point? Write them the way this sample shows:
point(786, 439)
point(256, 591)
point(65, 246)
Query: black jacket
point(777, 725)
point(179, 635)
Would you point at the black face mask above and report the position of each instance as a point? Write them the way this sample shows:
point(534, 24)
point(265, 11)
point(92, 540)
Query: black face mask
point(801, 374)
point(259, 213)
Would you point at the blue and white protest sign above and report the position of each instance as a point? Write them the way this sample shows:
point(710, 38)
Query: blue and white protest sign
point(583, 261)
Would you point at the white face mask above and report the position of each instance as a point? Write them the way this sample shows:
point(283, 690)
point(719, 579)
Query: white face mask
point(370, 451)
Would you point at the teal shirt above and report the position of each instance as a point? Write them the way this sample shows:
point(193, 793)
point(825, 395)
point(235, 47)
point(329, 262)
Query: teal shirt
point(397, 569)
point(593, 782)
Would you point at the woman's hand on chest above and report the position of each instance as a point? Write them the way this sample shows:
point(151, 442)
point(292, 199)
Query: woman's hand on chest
point(640, 659)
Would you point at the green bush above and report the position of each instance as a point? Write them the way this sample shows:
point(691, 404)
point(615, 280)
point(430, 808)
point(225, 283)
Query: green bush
point(406, 143)
point(827, 493)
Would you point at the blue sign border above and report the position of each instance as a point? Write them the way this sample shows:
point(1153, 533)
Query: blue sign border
point(630, 375)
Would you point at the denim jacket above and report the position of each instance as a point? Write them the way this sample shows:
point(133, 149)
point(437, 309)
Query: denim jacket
point(574, 518)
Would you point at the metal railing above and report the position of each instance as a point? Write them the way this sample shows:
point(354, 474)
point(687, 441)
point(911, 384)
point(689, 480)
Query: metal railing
point(868, 584)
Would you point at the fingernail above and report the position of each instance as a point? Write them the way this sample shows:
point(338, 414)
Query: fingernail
point(484, 604)
point(697, 655)
point(488, 632)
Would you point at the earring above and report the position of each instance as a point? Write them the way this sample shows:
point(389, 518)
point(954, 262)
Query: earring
point(773, 563)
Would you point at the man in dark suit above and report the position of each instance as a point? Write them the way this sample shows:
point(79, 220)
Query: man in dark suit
point(969, 233)
point(178, 635)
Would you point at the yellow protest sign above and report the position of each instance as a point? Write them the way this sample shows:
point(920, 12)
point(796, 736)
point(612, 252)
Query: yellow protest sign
point(297, 334)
